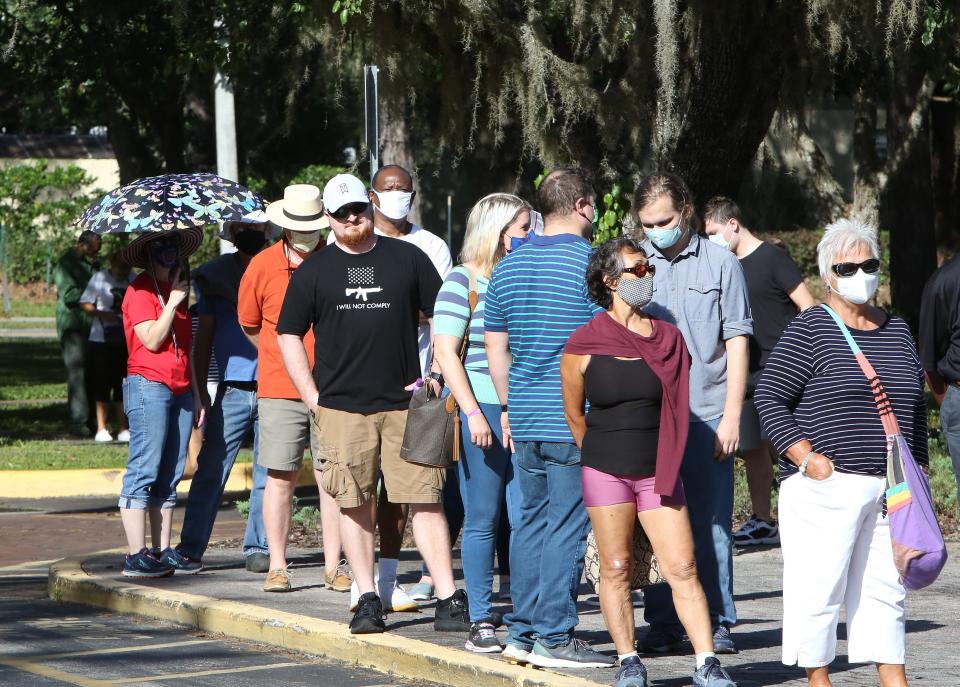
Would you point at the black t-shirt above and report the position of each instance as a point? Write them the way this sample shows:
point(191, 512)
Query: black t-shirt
point(771, 275)
point(623, 423)
point(364, 310)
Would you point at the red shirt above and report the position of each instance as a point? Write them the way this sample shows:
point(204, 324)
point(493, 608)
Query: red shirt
point(171, 364)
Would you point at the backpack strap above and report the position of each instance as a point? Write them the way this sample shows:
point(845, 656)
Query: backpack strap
point(890, 425)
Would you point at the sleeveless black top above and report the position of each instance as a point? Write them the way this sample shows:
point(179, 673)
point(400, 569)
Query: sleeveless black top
point(623, 423)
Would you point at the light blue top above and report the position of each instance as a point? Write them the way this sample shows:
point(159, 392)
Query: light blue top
point(703, 292)
point(538, 295)
point(236, 357)
point(451, 315)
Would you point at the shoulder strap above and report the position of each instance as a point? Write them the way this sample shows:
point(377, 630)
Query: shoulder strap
point(472, 298)
point(884, 408)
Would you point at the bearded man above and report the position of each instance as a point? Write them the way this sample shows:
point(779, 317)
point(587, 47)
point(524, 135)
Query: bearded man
point(361, 298)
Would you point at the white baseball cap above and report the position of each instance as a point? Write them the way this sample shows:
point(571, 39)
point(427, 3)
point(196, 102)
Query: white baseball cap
point(343, 189)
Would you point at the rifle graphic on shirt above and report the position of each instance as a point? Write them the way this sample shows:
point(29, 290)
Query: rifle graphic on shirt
point(361, 293)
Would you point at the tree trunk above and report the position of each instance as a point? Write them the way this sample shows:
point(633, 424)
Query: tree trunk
point(395, 148)
point(906, 203)
point(866, 184)
point(828, 194)
point(943, 118)
point(741, 54)
point(133, 155)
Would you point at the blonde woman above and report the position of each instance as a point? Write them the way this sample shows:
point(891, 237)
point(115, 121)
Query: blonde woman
point(485, 469)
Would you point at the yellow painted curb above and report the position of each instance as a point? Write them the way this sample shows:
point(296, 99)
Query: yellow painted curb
point(45, 484)
point(388, 653)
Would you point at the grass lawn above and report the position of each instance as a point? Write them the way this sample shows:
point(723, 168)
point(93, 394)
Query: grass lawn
point(17, 324)
point(30, 369)
point(61, 455)
point(37, 306)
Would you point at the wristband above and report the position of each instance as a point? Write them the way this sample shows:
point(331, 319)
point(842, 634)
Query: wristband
point(503, 408)
point(474, 412)
point(803, 463)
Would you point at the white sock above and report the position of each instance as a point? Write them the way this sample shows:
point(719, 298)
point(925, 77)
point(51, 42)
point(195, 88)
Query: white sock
point(702, 658)
point(623, 656)
point(388, 577)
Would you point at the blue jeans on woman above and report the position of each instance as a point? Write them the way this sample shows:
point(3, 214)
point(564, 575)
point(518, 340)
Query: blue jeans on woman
point(484, 476)
point(231, 417)
point(160, 426)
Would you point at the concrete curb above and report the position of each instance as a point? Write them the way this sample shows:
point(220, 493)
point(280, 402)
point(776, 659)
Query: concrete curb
point(43, 484)
point(388, 653)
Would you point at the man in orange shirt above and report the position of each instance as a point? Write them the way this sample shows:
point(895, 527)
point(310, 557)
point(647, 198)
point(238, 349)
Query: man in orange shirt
point(286, 427)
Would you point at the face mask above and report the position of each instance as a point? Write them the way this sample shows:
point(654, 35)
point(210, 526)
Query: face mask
point(303, 241)
point(719, 240)
point(250, 241)
point(165, 255)
point(664, 238)
point(859, 288)
point(394, 204)
point(636, 292)
point(517, 241)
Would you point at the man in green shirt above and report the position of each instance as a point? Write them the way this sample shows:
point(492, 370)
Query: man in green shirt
point(73, 271)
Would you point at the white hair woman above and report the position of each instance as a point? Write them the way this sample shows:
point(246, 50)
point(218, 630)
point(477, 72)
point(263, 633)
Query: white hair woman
point(485, 469)
point(818, 408)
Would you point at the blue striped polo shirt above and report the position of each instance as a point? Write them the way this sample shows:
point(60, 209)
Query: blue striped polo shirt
point(538, 296)
point(451, 316)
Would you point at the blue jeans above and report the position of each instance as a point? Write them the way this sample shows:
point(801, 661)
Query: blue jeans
point(485, 477)
point(950, 423)
point(708, 484)
point(232, 416)
point(546, 555)
point(160, 426)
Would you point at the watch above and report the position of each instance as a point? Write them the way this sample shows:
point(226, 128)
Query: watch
point(803, 463)
point(503, 408)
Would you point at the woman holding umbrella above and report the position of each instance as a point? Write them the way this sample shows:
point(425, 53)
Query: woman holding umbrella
point(158, 394)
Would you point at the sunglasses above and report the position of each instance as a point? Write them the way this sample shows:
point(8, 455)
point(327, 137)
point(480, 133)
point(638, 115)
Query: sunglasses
point(345, 211)
point(848, 269)
point(641, 269)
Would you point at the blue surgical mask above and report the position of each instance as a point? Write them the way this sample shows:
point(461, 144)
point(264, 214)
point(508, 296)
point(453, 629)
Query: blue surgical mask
point(517, 241)
point(664, 238)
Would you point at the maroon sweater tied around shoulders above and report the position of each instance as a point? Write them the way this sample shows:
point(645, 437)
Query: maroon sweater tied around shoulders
point(667, 355)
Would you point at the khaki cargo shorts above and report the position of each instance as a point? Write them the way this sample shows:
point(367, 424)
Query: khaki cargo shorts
point(355, 448)
point(286, 431)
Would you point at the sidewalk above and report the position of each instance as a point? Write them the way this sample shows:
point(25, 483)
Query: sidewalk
point(229, 600)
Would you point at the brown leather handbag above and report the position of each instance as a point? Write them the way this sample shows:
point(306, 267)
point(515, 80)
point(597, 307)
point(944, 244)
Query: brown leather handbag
point(432, 433)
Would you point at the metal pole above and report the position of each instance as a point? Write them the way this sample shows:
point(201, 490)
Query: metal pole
point(450, 222)
point(3, 265)
point(49, 258)
point(371, 103)
point(226, 128)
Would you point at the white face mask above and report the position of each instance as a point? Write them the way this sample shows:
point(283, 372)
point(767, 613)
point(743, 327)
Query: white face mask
point(719, 240)
point(303, 241)
point(394, 204)
point(859, 288)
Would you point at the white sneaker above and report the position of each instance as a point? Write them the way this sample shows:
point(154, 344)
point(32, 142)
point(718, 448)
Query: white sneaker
point(399, 600)
point(124, 436)
point(516, 653)
point(103, 436)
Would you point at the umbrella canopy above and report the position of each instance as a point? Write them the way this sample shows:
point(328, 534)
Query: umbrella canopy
point(169, 202)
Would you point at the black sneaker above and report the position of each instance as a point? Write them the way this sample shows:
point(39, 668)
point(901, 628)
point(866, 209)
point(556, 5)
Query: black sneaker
point(660, 640)
point(180, 562)
point(574, 654)
point(711, 674)
point(632, 673)
point(483, 639)
point(453, 614)
point(722, 641)
point(145, 564)
point(368, 619)
point(757, 532)
point(257, 562)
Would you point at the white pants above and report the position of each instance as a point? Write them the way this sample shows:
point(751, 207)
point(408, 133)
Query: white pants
point(836, 551)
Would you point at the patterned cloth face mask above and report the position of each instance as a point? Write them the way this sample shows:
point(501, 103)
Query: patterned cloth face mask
point(636, 292)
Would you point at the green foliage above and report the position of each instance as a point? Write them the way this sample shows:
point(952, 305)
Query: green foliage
point(39, 203)
point(243, 508)
point(59, 455)
point(318, 175)
point(307, 516)
point(941, 35)
point(614, 205)
point(344, 8)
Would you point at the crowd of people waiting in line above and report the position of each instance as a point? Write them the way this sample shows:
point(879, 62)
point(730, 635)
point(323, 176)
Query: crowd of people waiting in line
point(602, 387)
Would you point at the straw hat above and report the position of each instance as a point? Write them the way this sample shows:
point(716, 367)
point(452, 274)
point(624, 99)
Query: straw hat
point(135, 254)
point(300, 209)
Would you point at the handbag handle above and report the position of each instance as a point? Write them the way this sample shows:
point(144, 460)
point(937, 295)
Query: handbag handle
point(890, 425)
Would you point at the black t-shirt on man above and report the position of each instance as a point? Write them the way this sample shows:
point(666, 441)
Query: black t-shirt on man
point(771, 275)
point(364, 310)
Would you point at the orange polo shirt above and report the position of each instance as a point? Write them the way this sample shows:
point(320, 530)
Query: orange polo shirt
point(262, 289)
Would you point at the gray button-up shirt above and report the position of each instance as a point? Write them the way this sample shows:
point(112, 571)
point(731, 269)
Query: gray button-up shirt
point(703, 292)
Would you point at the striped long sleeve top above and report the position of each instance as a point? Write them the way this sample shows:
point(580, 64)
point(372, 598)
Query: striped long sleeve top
point(812, 388)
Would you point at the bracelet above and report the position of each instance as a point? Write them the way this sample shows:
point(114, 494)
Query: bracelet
point(503, 408)
point(474, 412)
point(803, 463)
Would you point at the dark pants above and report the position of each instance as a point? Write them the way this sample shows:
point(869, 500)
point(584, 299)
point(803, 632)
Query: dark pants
point(73, 345)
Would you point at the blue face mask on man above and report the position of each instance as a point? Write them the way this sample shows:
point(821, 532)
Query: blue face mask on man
point(665, 238)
